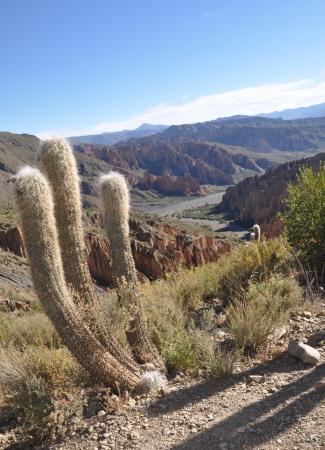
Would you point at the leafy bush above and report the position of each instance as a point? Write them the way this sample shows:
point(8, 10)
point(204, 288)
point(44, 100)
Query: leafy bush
point(265, 306)
point(305, 218)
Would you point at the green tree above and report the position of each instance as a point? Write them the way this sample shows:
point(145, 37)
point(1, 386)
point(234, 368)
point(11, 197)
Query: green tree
point(305, 216)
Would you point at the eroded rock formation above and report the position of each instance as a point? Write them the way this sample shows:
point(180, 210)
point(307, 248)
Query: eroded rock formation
point(157, 248)
point(168, 184)
point(260, 199)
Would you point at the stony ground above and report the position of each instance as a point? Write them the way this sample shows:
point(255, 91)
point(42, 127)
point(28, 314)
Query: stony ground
point(276, 403)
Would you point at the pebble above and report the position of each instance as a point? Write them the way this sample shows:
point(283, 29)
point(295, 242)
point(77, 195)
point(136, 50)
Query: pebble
point(280, 332)
point(134, 435)
point(255, 378)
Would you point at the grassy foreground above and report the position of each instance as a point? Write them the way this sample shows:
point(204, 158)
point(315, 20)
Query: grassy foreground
point(202, 320)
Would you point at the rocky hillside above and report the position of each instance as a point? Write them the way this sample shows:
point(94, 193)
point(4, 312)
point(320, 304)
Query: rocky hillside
point(17, 150)
point(259, 199)
point(257, 133)
point(148, 163)
point(181, 159)
point(220, 152)
point(207, 163)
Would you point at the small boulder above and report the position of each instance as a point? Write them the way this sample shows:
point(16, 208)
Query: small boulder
point(255, 378)
point(307, 354)
point(279, 333)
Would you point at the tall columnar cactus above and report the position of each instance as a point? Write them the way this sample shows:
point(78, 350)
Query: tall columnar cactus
point(59, 165)
point(257, 232)
point(36, 209)
point(116, 204)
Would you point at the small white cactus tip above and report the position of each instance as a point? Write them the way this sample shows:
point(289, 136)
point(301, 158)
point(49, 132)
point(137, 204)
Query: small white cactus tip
point(25, 172)
point(112, 178)
point(53, 146)
point(153, 380)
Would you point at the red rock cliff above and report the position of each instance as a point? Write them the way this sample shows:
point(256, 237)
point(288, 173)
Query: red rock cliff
point(157, 249)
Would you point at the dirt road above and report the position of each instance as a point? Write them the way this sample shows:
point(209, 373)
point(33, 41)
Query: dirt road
point(174, 208)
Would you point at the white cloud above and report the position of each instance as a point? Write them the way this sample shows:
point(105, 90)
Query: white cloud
point(250, 101)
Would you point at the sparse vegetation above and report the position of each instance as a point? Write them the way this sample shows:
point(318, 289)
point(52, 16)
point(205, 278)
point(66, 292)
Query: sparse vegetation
point(265, 306)
point(253, 263)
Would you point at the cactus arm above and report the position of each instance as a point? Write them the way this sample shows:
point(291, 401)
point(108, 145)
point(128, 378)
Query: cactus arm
point(59, 165)
point(116, 205)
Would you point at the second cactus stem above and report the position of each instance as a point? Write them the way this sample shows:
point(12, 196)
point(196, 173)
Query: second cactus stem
point(116, 205)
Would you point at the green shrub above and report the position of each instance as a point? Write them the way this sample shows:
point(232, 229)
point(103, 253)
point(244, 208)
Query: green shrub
point(265, 306)
point(305, 218)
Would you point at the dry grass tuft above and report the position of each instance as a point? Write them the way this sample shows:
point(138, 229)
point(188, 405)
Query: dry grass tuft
point(265, 306)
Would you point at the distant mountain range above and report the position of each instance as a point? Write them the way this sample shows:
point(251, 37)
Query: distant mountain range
point(146, 129)
point(182, 158)
point(298, 113)
point(258, 134)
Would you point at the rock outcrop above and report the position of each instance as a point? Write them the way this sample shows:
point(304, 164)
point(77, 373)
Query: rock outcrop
point(168, 184)
point(11, 240)
point(157, 249)
point(260, 199)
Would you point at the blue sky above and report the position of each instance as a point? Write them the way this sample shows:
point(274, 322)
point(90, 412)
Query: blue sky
point(78, 66)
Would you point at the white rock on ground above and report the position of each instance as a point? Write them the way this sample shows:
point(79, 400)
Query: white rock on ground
point(306, 353)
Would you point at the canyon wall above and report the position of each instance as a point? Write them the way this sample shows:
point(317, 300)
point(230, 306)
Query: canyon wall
point(261, 199)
